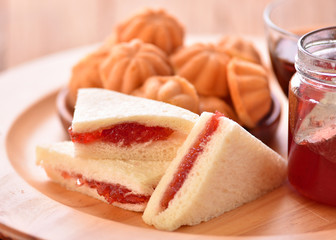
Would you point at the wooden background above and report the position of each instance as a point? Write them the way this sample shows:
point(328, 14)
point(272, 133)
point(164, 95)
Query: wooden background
point(33, 28)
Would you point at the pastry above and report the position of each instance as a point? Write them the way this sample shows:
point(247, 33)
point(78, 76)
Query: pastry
point(170, 89)
point(129, 64)
point(239, 47)
point(204, 65)
point(249, 90)
point(152, 26)
point(85, 74)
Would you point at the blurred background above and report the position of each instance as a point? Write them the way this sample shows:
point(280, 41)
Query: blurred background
point(30, 29)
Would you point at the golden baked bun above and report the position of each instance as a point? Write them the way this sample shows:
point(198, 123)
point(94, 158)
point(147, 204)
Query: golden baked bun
point(236, 46)
point(213, 104)
point(129, 64)
point(153, 26)
point(85, 74)
point(249, 89)
point(204, 65)
point(170, 89)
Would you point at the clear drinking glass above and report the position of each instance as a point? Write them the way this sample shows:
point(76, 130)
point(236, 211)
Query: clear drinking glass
point(285, 22)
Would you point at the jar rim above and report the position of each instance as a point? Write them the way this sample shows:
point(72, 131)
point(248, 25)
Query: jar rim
point(315, 57)
point(310, 39)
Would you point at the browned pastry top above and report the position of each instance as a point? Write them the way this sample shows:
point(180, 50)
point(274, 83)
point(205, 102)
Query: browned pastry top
point(129, 64)
point(236, 46)
point(204, 65)
point(153, 26)
point(170, 89)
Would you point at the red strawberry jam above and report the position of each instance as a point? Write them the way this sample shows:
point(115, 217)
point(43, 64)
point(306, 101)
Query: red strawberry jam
point(111, 192)
point(125, 133)
point(189, 159)
point(312, 147)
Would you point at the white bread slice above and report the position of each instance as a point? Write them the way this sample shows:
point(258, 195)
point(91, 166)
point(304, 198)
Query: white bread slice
point(234, 168)
point(139, 177)
point(100, 108)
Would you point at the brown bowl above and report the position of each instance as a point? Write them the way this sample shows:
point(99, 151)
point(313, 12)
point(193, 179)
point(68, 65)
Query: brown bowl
point(265, 131)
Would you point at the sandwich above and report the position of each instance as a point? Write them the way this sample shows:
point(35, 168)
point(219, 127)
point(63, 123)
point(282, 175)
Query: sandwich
point(112, 125)
point(219, 167)
point(124, 184)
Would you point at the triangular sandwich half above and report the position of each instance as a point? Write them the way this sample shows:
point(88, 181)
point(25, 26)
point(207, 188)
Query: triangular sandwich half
point(108, 124)
point(125, 184)
point(219, 167)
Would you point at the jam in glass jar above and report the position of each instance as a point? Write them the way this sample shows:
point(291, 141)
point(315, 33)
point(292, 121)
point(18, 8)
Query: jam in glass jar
point(312, 117)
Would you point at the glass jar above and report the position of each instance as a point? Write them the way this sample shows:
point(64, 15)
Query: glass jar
point(312, 117)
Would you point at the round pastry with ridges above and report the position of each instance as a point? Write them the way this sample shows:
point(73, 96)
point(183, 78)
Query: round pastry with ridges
point(85, 74)
point(236, 46)
point(129, 64)
point(249, 89)
point(170, 89)
point(204, 65)
point(153, 26)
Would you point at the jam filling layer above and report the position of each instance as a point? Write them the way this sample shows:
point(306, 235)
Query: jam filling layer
point(124, 134)
point(111, 192)
point(189, 159)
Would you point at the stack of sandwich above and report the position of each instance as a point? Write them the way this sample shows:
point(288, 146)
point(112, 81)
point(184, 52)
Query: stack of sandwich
point(144, 155)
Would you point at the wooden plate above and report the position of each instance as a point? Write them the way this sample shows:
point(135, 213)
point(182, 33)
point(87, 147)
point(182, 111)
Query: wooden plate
point(33, 207)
